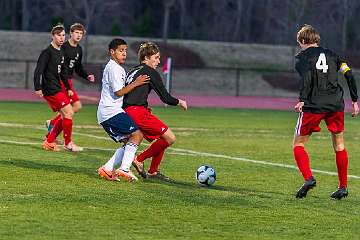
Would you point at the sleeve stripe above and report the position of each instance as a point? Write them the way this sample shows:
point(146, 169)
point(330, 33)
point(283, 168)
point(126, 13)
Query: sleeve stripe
point(344, 68)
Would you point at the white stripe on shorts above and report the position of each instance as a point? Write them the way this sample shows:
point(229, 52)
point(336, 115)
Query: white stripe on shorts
point(299, 123)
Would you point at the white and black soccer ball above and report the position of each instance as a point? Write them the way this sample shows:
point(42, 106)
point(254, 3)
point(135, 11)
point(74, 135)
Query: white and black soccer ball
point(205, 175)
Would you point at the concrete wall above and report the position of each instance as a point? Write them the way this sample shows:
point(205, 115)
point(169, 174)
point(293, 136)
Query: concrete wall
point(229, 68)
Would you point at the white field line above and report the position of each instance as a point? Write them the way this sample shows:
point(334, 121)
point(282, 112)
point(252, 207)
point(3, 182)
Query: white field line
point(177, 151)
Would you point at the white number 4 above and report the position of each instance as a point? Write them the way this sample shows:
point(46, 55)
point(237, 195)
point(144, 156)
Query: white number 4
point(321, 63)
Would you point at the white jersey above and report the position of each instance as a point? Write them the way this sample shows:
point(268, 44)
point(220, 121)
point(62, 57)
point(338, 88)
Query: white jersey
point(113, 80)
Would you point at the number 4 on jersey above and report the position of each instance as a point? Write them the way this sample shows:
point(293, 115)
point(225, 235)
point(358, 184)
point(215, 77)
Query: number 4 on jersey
point(321, 63)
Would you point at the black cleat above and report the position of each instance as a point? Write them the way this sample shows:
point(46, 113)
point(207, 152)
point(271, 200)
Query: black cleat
point(139, 167)
point(340, 193)
point(308, 184)
point(159, 176)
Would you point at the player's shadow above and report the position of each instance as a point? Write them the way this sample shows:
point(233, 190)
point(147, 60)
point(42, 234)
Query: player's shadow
point(232, 189)
point(188, 185)
point(48, 167)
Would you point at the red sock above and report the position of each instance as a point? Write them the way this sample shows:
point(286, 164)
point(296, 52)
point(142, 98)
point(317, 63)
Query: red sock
point(67, 130)
point(155, 162)
point(155, 149)
point(302, 161)
point(55, 119)
point(55, 131)
point(342, 167)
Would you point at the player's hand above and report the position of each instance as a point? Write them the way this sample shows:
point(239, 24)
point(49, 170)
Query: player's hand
point(183, 104)
point(70, 93)
point(140, 80)
point(39, 93)
point(355, 109)
point(298, 107)
point(91, 78)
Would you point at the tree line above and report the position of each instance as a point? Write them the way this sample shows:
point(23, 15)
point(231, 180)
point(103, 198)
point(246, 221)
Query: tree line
point(246, 21)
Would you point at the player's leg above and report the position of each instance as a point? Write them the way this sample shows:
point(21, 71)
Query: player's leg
point(130, 149)
point(67, 123)
point(121, 128)
point(335, 124)
point(51, 123)
point(158, 146)
point(76, 106)
point(56, 103)
point(107, 171)
point(306, 124)
point(341, 164)
point(301, 156)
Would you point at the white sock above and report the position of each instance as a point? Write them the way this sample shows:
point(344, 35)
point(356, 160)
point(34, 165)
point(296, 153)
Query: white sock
point(129, 155)
point(115, 159)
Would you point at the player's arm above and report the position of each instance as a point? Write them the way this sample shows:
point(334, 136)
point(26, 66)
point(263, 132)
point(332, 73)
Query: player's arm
point(158, 86)
point(42, 62)
point(304, 84)
point(305, 80)
point(140, 80)
point(117, 82)
point(350, 80)
point(79, 69)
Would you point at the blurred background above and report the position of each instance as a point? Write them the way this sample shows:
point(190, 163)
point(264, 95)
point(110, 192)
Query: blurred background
point(218, 47)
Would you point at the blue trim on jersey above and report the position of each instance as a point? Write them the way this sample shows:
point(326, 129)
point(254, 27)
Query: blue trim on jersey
point(119, 127)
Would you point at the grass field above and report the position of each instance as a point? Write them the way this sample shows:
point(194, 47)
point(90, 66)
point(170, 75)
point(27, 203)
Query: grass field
point(47, 195)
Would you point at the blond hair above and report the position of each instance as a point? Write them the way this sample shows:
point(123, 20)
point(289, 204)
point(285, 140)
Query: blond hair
point(147, 49)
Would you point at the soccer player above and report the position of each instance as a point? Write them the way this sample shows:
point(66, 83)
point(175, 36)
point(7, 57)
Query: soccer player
point(321, 98)
point(113, 118)
point(73, 57)
point(47, 75)
point(136, 105)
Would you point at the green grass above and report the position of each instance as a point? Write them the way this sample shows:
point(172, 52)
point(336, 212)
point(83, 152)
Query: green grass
point(46, 195)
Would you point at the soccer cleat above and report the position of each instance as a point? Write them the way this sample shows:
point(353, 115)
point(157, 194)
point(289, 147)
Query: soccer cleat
point(72, 147)
point(340, 193)
point(159, 176)
point(308, 184)
point(139, 167)
point(50, 146)
point(128, 176)
point(48, 125)
point(108, 175)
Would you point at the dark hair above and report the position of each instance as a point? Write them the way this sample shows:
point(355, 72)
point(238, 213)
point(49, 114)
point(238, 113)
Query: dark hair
point(115, 43)
point(57, 29)
point(147, 49)
point(77, 26)
point(308, 35)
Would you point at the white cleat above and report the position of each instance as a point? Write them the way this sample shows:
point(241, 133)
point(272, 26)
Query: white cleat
point(72, 147)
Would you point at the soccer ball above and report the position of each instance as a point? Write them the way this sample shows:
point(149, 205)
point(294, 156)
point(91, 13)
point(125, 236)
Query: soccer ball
point(205, 175)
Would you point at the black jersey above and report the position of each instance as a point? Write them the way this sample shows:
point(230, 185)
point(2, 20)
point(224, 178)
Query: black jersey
point(319, 86)
point(73, 58)
point(48, 71)
point(139, 95)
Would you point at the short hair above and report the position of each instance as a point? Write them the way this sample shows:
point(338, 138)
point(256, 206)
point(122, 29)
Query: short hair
point(147, 49)
point(308, 35)
point(115, 43)
point(57, 29)
point(77, 26)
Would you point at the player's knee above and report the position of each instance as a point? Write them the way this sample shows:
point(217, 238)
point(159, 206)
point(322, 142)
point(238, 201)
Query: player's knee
point(77, 107)
point(69, 113)
point(339, 147)
point(171, 139)
point(136, 137)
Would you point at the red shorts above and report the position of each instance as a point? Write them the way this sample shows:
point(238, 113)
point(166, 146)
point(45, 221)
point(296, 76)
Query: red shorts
point(74, 97)
point(309, 122)
point(57, 101)
point(151, 127)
